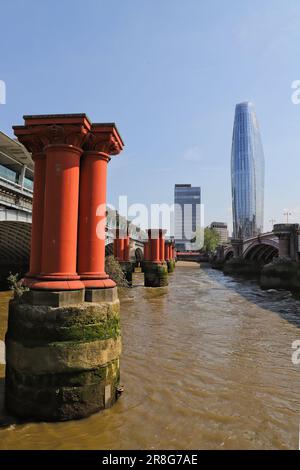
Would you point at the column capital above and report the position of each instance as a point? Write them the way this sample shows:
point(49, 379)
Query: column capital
point(104, 138)
point(40, 131)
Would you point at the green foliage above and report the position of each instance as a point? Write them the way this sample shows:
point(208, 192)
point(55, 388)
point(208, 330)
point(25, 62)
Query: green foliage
point(114, 270)
point(211, 239)
point(15, 285)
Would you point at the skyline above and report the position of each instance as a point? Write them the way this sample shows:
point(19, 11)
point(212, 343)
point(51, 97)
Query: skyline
point(154, 70)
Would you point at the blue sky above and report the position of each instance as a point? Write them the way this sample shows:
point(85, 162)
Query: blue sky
point(169, 73)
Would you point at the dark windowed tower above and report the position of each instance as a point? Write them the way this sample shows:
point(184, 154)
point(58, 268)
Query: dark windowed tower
point(187, 199)
point(247, 173)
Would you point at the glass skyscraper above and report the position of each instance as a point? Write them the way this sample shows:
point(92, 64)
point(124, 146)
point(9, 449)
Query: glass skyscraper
point(187, 227)
point(247, 173)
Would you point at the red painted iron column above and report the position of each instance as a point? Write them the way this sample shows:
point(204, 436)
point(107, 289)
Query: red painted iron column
point(162, 245)
point(154, 245)
point(104, 140)
point(126, 248)
point(167, 251)
point(62, 136)
point(35, 145)
point(119, 246)
point(37, 214)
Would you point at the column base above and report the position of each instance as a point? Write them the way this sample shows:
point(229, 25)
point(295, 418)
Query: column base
point(155, 274)
point(101, 295)
point(62, 362)
point(52, 284)
point(98, 283)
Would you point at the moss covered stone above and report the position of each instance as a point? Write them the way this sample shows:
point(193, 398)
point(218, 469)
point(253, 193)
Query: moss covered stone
point(171, 265)
point(244, 267)
point(62, 362)
point(282, 273)
point(155, 274)
point(127, 268)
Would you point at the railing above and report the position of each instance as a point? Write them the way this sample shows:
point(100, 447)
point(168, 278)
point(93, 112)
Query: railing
point(15, 186)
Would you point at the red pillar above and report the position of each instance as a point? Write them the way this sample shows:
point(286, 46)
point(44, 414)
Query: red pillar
point(162, 245)
point(154, 245)
point(167, 251)
point(146, 251)
point(36, 146)
point(126, 248)
point(104, 140)
point(120, 249)
point(115, 248)
point(62, 137)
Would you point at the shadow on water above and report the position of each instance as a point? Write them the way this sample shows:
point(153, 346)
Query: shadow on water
point(281, 302)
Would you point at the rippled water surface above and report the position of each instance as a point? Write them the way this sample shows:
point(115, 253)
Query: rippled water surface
point(206, 364)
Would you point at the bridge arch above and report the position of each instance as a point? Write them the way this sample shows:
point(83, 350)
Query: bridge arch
point(228, 254)
point(263, 251)
point(139, 256)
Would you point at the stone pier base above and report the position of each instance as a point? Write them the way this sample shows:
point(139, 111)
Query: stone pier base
point(127, 268)
point(171, 265)
point(62, 362)
point(282, 273)
point(247, 268)
point(155, 274)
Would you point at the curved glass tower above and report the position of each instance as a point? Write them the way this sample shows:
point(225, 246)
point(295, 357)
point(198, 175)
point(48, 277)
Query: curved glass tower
point(247, 173)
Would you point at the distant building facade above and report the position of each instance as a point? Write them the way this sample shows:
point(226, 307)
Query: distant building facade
point(247, 173)
point(222, 230)
point(16, 180)
point(187, 215)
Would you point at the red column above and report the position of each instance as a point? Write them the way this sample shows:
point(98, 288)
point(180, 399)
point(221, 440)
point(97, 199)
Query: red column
point(167, 251)
point(120, 249)
point(115, 248)
point(161, 245)
point(61, 137)
point(147, 251)
point(60, 218)
point(154, 245)
point(36, 146)
point(104, 141)
point(126, 248)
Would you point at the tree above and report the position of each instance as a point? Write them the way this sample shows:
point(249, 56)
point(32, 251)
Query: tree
point(211, 239)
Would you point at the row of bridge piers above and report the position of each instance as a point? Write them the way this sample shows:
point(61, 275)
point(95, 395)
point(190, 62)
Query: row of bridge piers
point(63, 341)
point(158, 262)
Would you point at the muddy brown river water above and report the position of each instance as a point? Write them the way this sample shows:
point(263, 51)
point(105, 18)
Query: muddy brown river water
point(206, 364)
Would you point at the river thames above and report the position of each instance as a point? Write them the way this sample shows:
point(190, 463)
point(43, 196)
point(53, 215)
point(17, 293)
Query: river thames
point(206, 364)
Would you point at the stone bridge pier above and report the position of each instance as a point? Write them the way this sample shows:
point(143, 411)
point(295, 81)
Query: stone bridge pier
point(170, 255)
point(122, 253)
point(284, 272)
point(288, 236)
point(155, 267)
point(63, 340)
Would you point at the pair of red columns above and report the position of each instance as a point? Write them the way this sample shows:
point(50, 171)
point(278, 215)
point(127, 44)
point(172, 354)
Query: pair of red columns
point(169, 251)
point(154, 248)
point(69, 200)
point(121, 247)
